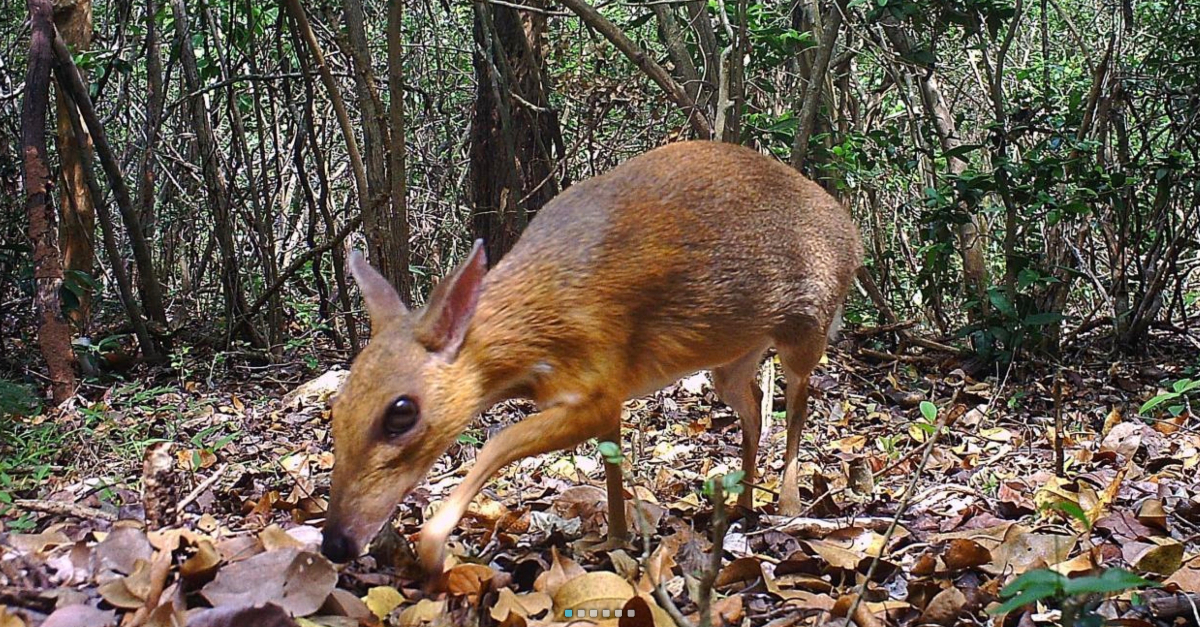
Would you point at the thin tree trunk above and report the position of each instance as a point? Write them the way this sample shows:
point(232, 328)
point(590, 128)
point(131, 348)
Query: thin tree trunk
point(386, 225)
point(77, 231)
point(706, 40)
point(676, 45)
point(146, 342)
point(258, 218)
point(816, 85)
point(71, 81)
point(401, 253)
point(970, 232)
point(644, 62)
point(218, 190)
point(148, 286)
point(514, 133)
point(54, 334)
point(310, 132)
point(305, 32)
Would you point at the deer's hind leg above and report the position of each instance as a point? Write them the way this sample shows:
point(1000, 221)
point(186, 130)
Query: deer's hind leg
point(799, 353)
point(735, 385)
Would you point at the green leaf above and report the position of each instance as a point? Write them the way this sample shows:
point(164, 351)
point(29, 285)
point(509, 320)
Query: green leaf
point(961, 150)
point(1183, 386)
point(1074, 511)
point(1027, 597)
point(1001, 303)
point(610, 451)
point(929, 411)
point(732, 482)
point(1157, 400)
point(1040, 578)
point(1111, 580)
point(1044, 318)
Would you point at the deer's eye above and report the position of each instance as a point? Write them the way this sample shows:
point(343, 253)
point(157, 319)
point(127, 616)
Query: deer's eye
point(401, 416)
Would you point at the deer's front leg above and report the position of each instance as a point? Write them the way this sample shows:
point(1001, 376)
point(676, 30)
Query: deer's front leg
point(559, 427)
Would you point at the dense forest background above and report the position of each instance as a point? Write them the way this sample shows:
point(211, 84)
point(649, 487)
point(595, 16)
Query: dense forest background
point(1024, 172)
point(182, 182)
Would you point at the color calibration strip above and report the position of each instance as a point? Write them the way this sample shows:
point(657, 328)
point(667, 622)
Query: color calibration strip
point(597, 613)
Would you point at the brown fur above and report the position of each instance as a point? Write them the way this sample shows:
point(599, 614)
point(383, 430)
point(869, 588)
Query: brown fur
point(695, 255)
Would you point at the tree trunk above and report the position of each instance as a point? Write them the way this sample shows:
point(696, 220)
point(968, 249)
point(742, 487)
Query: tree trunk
point(218, 198)
point(149, 287)
point(54, 334)
point(71, 87)
point(514, 132)
point(397, 218)
point(816, 85)
point(77, 231)
point(386, 224)
point(970, 232)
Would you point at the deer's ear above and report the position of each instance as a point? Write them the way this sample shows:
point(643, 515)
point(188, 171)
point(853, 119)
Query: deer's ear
point(443, 324)
point(383, 301)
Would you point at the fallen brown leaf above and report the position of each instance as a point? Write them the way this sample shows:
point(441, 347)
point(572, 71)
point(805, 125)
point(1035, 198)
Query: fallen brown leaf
point(944, 609)
point(80, 616)
point(298, 581)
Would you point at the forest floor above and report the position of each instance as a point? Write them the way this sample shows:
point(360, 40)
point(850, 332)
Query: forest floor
point(188, 498)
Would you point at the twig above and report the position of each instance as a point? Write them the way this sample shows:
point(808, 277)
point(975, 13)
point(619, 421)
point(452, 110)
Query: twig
point(819, 527)
point(885, 356)
point(904, 502)
point(720, 525)
point(60, 508)
point(1058, 426)
point(894, 327)
point(641, 520)
point(200, 489)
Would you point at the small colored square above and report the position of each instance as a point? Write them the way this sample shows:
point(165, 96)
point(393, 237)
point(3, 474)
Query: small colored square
point(618, 613)
point(630, 614)
point(567, 613)
point(606, 614)
point(595, 613)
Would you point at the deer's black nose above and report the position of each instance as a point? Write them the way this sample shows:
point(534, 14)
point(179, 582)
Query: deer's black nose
point(337, 546)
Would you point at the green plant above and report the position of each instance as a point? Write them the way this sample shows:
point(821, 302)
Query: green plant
point(730, 483)
point(928, 421)
point(610, 451)
point(888, 444)
point(202, 445)
point(1177, 397)
point(17, 399)
point(1077, 598)
point(470, 438)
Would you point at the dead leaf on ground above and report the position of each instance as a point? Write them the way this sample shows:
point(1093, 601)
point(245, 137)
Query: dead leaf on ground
point(382, 600)
point(529, 605)
point(81, 616)
point(1023, 551)
point(562, 569)
point(298, 581)
point(598, 590)
point(469, 580)
point(424, 611)
point(267, 615)
point(944, 609)
point(963, 553)
point(1160, 556)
